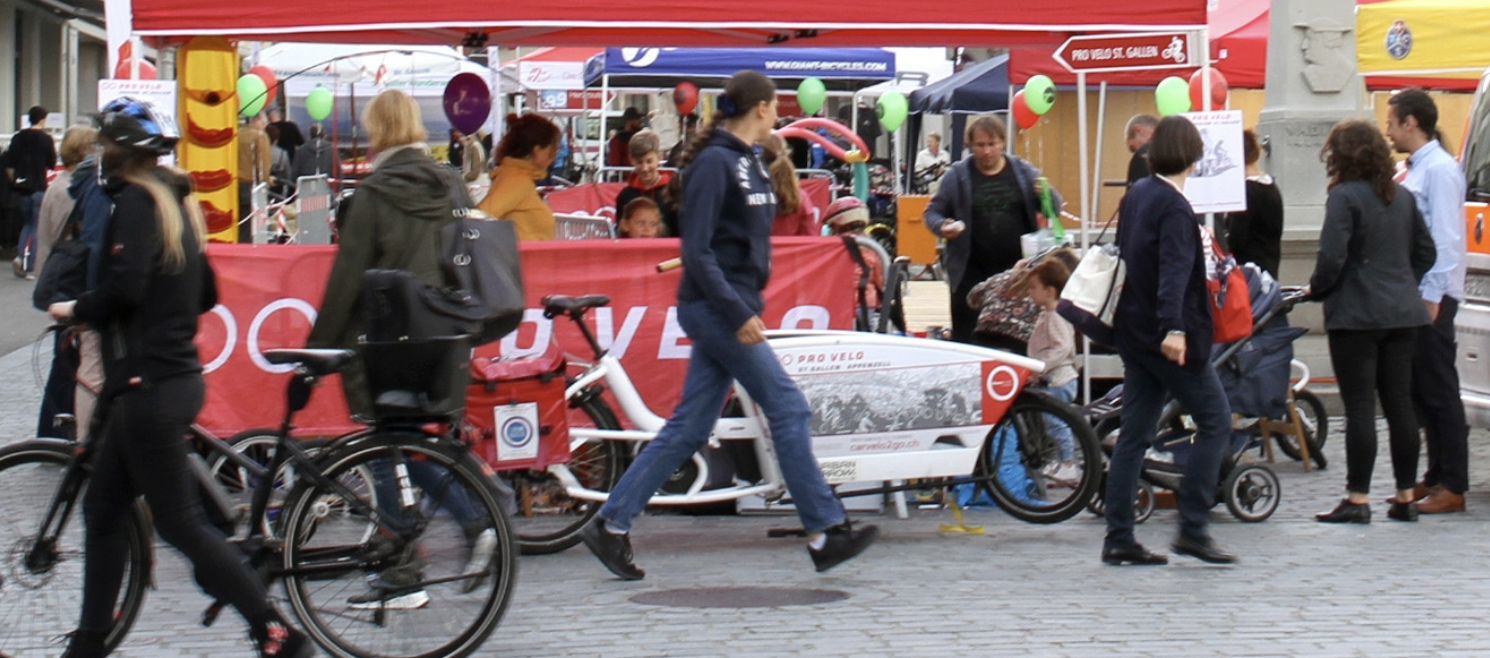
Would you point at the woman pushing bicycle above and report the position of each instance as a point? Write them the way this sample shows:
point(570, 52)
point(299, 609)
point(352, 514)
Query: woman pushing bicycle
point(156, 283)
point(725, 217)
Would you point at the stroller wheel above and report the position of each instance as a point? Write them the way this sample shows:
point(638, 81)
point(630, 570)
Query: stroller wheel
point(1251, 492)
point(1316, 429)
point(1143, 503)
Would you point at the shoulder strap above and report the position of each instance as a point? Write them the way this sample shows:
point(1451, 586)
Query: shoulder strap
point(73, 226)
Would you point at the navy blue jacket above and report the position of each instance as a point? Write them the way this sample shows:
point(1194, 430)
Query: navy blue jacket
point(725, 216)
point(1165, 290)
point(97, 206)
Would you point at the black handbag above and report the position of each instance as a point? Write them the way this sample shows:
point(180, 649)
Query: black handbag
point(398, 306)
point(480, 259)
point(64, 276)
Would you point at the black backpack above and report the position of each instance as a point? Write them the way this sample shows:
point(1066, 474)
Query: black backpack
point(65, 274)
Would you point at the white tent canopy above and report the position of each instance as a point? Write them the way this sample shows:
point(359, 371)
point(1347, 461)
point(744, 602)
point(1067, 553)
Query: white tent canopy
point(418, 70)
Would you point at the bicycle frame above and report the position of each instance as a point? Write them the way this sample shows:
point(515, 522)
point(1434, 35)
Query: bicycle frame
point(966, 391)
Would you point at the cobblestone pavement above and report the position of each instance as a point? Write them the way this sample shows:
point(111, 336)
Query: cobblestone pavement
point(1302, 588)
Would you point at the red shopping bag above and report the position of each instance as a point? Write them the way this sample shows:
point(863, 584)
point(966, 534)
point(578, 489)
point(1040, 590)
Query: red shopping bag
point(1231, 302)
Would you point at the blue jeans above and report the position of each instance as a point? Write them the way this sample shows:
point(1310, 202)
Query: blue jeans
point(717, 360)
point(1059, 430)
point(1146, 379)
point(30, 212)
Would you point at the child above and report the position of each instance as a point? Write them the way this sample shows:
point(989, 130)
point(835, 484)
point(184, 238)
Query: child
point(641, 218)
point(1054, 342)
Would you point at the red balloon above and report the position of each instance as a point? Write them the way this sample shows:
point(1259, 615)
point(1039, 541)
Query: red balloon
point(121, 70)
point(270, 82)
point(1197, 89)
point(1023, 115)
point(685, 97)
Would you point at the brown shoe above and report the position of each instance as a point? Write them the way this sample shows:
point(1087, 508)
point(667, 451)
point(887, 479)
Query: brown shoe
point(1419, 492)
point(1442, 502)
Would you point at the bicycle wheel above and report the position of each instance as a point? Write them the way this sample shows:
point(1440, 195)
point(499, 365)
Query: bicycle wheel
point(1041, 463)
point(547, 519)
point(43, 582)
point(436, 590)
point(239, 482)
point(1316, 424)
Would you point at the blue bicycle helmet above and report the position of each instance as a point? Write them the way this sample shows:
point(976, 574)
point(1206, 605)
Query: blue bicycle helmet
point(139, 123)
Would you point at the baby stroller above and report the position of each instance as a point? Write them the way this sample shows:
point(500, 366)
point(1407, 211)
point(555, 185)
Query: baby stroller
point(1255, 372)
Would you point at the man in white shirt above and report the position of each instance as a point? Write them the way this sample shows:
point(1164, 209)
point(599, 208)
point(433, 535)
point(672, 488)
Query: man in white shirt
point(931, 163)
point(1437, 184)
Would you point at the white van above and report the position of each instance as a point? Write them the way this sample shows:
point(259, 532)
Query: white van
point(1473, 322)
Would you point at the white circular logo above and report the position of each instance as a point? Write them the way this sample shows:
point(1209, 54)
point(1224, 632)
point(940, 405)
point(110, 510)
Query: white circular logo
point(516, 432)
point(1001, 377)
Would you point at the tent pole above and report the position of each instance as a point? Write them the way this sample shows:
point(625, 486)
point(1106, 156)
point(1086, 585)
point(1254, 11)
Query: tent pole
point(1081, 120)
point(1097, 165)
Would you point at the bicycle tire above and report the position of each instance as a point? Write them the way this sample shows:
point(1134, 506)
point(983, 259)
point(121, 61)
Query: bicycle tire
point(547, 520)
point(238, 483)
point(332, 557)
point(1025, 468)
point(38, 604)
point(1316, 429)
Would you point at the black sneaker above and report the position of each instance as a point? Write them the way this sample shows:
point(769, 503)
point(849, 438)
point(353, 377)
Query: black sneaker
point(844, 542)
point(613, 550)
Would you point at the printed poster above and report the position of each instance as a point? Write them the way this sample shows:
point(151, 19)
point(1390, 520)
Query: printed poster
point(1219, 182)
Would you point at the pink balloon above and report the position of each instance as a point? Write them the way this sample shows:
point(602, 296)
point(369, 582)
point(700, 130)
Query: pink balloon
point(1197, 89)
point(1023, 115)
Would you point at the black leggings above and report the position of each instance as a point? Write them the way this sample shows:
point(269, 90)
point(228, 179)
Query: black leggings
point(143, 452)
point(1368, 364)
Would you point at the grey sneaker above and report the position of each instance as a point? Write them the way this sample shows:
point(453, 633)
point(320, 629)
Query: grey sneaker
point(482, 542)
point(395, 588)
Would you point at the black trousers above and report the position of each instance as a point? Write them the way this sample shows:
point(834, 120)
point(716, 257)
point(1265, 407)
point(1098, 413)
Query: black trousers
point(143, 451)
point(1435, 394)
point(58, 396)
point(965, 317)
point(1370, 364)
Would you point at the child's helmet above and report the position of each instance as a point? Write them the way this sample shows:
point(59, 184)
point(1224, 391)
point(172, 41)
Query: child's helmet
point(139, 123)
point(846, 214)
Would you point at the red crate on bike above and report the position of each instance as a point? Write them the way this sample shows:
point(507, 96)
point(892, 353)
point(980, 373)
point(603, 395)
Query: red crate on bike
point(518, 411)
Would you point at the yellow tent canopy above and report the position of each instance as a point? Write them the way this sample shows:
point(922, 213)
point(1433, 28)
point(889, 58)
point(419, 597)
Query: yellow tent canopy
point(1439, 38)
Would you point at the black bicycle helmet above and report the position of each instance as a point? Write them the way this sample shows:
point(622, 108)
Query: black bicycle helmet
point(139, 123)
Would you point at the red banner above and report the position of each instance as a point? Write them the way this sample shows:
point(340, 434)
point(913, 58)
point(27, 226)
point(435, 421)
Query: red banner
point(599, 199)
point(268, 297)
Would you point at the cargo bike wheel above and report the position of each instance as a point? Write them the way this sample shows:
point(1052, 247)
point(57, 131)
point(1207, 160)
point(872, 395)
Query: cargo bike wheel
point(547, 519)
point(1042, 462)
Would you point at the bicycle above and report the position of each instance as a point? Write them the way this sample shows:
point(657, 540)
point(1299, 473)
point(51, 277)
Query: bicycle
point(976, 421)
point(350, 558)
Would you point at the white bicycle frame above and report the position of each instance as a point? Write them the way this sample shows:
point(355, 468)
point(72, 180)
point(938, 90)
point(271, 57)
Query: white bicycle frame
point(897, 453)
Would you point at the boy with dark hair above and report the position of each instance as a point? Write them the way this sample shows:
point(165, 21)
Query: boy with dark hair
point(31, 155)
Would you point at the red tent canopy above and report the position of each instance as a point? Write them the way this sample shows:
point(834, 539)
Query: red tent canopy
point(1239, 46)
point(663, 22)
point(1239, 40)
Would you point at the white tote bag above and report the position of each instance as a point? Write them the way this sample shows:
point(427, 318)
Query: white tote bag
point(1090, 297)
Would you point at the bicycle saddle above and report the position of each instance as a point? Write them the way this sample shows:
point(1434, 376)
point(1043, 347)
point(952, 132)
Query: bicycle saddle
point(556, 305)
point(319, 362)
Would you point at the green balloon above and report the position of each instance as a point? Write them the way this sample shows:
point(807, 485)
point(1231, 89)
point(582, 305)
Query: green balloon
point(1172, 96)
point(318, 103)
point(252, 94)
point(1039, 94)
point(892, 108)
point(810, 95)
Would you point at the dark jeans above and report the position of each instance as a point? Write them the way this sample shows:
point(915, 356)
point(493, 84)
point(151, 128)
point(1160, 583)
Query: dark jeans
point(58, 396)
point(965, 317)
point(1435, 395)
point(143, 451)
point(1370, 364)
point(30, 213)
point(1147, 377)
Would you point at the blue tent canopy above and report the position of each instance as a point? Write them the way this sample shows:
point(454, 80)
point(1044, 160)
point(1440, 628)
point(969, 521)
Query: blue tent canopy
point(983, 87)
point(661, 67)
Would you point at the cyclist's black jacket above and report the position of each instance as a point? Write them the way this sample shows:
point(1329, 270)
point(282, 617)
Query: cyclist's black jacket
point(726, 215)
point(148, 316)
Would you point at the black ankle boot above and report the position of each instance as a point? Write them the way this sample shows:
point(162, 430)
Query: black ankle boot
point(1346, 512)
point(85, 644)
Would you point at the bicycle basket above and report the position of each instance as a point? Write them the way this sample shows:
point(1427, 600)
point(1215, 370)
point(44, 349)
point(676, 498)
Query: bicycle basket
point(417, 379)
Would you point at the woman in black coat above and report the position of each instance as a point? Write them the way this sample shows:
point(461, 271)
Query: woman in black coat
point(1374, 248)
point(1163, 331)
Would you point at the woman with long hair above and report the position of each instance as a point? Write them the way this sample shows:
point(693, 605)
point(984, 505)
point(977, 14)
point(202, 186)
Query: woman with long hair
point(1374, 249)
point(726, 213)
point(156, 282)
point(523, 158)
point(795, 213)
point(1163, 330)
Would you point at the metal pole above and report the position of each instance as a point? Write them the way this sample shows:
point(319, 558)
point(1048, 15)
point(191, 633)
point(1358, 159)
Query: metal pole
point(1097, 166)
point(1086, 345)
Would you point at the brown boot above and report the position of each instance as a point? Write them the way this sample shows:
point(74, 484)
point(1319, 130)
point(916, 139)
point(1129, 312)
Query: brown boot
point(1442, 501)
point(1419, 492)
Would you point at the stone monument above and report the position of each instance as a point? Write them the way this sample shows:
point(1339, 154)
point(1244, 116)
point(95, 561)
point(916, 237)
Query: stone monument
point(1311, 85)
